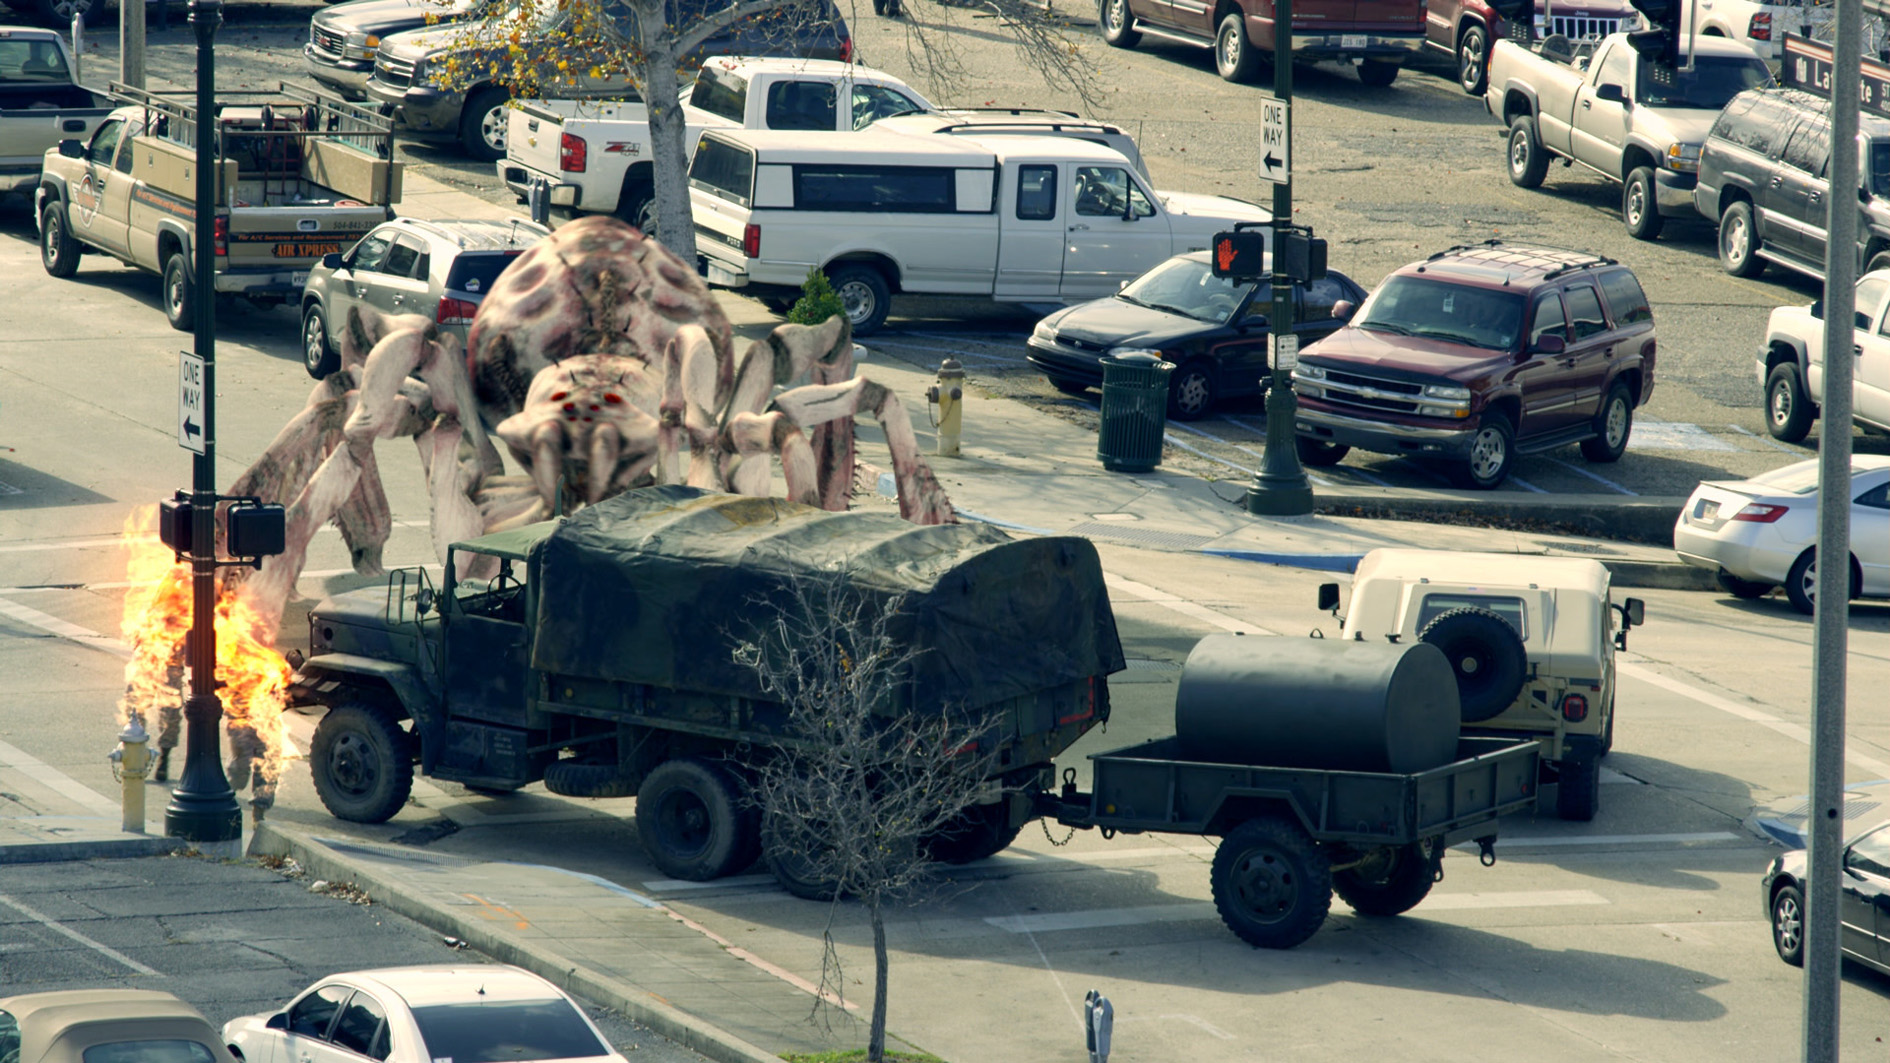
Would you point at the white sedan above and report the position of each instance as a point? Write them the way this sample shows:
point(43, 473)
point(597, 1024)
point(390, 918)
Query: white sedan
point(462, 1013)
point(1758, 533)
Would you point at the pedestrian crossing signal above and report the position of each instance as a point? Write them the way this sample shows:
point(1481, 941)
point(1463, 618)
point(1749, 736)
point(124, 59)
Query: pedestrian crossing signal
point(1241, 255)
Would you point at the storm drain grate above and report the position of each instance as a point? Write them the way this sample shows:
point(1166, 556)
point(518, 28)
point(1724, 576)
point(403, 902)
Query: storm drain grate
point(1142, 536)
point(1145, 664)
point(1852, 810)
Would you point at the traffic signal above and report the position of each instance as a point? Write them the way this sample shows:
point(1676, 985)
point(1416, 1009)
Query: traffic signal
point(1659, 41)
point(1301, 256)
point(1241, 254)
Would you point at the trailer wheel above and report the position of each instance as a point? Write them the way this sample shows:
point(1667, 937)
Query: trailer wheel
point(1578, 789)
point(692, 821)
point(362, 763)
point(1487, 655)
point(1272, 883)
point(791, 859)
point(1390, 882)
point(978, 832)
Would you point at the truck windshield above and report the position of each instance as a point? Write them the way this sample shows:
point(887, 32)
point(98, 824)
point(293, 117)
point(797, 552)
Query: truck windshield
point(1876, 169)
point(33, 61)
point(1186, 287)
point(1458, 313)
point(1713, 82)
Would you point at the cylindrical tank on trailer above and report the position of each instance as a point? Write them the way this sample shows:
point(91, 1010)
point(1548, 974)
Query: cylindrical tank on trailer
point(1332, 704)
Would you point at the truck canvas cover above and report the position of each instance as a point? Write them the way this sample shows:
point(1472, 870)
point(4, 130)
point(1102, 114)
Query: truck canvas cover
point(659, 585)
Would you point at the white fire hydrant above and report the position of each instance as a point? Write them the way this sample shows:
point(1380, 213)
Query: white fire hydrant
point(949, 396)
point(130, 761)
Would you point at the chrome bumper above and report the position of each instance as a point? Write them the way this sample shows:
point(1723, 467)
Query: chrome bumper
point(1382, 436)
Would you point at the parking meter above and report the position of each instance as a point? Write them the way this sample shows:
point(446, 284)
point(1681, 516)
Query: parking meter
point(1099, 1017)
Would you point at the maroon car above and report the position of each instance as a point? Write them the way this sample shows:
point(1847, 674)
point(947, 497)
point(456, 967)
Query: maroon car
point(1478, 354)
point(1379, 34)
point(1465, 28)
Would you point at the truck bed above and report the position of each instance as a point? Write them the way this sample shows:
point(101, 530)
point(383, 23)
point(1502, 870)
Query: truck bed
point(1155, 787)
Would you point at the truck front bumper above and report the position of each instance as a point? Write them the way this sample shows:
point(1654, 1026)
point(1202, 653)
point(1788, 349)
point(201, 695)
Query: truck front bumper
point(1378, 47)
point(420, 110)
point(1673, 193)
point(349, 77)
point(1382, 437)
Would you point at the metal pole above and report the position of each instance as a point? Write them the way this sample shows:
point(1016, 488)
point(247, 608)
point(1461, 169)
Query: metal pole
point(203, 809)
point(78, 46)
point(130, 42)
point(1829, 643)
point(1280, 488)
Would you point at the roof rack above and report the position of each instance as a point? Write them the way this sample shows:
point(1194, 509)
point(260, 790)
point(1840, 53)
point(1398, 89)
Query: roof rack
point(1017, 111)
point(1558, 266)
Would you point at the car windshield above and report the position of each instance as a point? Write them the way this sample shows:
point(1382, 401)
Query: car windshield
point(506, 1031)
point(1189, 288)
point(1441, 310)
point(1713, 82)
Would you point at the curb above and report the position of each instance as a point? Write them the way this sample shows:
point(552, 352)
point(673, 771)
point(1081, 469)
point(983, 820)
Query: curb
point(90, 849)
point(638, 1004)
point(1646, 520)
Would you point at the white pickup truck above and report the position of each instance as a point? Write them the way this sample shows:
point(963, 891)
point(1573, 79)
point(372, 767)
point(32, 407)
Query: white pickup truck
point(1613, 115)
point(1791, 363)
point(40, 104)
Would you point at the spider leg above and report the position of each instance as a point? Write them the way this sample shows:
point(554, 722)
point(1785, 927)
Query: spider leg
point(921, 499)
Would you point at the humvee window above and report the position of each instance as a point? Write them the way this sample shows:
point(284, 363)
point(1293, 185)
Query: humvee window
point(502, 597)
point(1510, 609)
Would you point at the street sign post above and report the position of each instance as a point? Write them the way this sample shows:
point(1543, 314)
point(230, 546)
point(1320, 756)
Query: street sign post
point(1276, 141)
point(190, 392)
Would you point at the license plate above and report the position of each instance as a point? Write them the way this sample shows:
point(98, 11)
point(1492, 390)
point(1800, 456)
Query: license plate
point(1352, 40)
point(1709, 511)
point(307, 250)
point(299, 278)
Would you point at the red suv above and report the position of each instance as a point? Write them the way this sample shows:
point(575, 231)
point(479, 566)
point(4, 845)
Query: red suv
point(1478, 354)
point(1380, 34)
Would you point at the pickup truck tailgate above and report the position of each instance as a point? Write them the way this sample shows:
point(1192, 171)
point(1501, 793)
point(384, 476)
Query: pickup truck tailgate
point(294, 237)
point(531, 138)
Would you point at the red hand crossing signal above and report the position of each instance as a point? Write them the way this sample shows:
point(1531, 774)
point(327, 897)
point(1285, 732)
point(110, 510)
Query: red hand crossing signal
point(1241, 254)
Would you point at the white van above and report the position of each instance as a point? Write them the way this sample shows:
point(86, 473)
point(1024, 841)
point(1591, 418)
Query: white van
point(1026, 219)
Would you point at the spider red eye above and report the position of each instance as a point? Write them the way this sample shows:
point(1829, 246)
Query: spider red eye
point(613, 399)
point(560, 396)
point(587, 420)
point(570, 406)
point(595, 406)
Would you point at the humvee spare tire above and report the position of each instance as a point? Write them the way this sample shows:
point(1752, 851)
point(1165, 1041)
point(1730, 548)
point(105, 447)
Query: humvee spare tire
point(1487, 655)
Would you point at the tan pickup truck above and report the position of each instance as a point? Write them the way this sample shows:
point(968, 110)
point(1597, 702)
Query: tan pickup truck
point(303, 175)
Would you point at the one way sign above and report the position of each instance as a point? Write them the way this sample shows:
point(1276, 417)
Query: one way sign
point(190, 424)
point(1276, 142)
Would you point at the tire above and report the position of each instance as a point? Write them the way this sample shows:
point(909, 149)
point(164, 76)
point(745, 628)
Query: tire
point(1192, 391)
point(362, 763)
point(1234, 57)
point(319, 356)
point(482, 124)
point(1739, 241)
point(1640, 205)
point(59, 12)
point(1377, 74)
point(1528, 163)
point(1492, 450)
point(1801, 583)
point(636, 207)
point(1487, 656)
point(981, 831)
point(692, 821)
point(1748, 589)
point(1318, 453)
point(1578, 789)
point(1788, 410)
point(1272, 884)
point(1391, 882)
point(180, 297)
point(580, 778)
point(1788, 924)
point(1067, 386)
point(1118, 25)
point(59, 251)
point(1473, 59)
point(1607, 730)
point(865, 296)
point(792, 869)
point(1614, 423)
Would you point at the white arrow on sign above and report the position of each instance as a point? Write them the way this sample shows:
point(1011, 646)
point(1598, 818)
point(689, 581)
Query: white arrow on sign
point(1276, 141)
point(190, 424)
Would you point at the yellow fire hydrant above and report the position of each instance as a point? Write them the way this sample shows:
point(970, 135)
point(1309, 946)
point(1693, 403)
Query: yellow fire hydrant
point(130, 762)
point(949, 396)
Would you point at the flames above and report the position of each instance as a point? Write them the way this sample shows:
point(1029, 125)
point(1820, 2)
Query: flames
point(253, 675)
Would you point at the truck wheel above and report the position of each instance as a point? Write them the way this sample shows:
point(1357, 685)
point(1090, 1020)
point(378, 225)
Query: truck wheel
point(1318, 452)
point(1578, 793)
point(58, 250)
point(1607, 729)
point(1640, 205)
point(318, 355)
point(1748, 589)
point(1788, 925)
point(1473, 59)
point(1487, 655)
point(692, 822)
point(1118, 25)
point(1377, 74)
point(1788, 410)
point(1739, 241)
point(1191, 391)
point(1528, 162)
point(784, 851)
point(482, 124)
point(1390, 882)
point(864, 294)
point(978, 832)
point(1614, 422)
point(1272, 883)
point(180, 298)
point(583, 778)
point(1492, 448)
point(362, 763)
point(1234, 56)
point(637, 207)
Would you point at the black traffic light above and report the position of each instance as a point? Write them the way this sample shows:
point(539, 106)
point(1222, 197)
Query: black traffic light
point(1301, 256)
point(1659, 41)
point(174, 523)
point(1241, 254)
point(256, 529)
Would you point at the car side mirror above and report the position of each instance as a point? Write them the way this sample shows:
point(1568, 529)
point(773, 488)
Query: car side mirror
point(1328, 597)
point(331, 260)
point(278, 1021)
point(1633, 612)
point(1611, 92)
point(1550, 344)
point(70, 149)
point(1343, 310)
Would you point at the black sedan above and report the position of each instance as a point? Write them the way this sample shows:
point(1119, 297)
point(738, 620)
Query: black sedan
point(1863, 901)
point(1214, 330)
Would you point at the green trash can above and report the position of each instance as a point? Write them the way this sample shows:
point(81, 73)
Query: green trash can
point(1134, 412)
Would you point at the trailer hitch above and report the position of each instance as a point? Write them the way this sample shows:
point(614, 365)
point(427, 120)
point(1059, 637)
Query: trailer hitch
point(1487, 852)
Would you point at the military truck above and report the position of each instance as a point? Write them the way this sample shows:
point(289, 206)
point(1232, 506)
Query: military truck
point(1531, 639)
point(599, 659)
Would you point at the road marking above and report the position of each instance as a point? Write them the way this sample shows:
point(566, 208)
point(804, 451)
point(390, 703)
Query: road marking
point(1186, 608)
point(76, 544)
point(83, 636)
point(1051, 922)
point(1667, 435)
point(1226, 443)
point(1526, 485)
point(1745, 712)
point(1602, 480)
point(1768, 441)
point(52, 778)
point(103, 950)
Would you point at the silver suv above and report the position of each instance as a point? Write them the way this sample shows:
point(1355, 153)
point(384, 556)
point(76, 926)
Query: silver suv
point(438, 268)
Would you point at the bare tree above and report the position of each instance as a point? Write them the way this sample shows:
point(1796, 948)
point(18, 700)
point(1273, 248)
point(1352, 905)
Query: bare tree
point(863, 779)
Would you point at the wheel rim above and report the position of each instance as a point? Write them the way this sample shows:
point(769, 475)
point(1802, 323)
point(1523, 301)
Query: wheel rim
point(858, 299)
point(312, 352)
point(1470, 60)
point(1781, 404)
point(174, 293)
point(1191, 393)
point(353, 766)
point(1616, 430)
point(66, 8)
point(1809, 584)
point(1116, 15)
point(1264, 885)
point(49, 251)
point(1230, 48)
point(1737, 238)
point(1636, 207)
point(1787, 923)
point(1518, 152)
point(492, 128)
point(683, 819)
point(1487, 454)
point(646, 219)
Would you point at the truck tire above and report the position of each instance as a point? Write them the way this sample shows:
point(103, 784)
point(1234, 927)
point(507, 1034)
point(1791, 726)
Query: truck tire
point(319, 356)
point(1788, 924)
point(180, 297)
point(636, 207)
point(979, 832)
point(1473, 59)
point(1377, 74)
point(482, 124)
point(581, 778)
point(1492, 451)
point(1788, 409)
point(1118, 25)
point(1487, 655)
point(1640, 205)
point(1390, 882)
point(1528, 162)
point(1235, 59)
point(362, 763)
point(1614, 422)
point(1607, 729)
point(865, 296)
point(1272, 882)
point(1578, 789)
point(792, 868)
point(1318, 452)
point(58, 249)
point(692, 821)
point(1739, 241)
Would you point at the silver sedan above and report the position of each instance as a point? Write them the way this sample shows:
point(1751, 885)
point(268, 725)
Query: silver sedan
point(1757, 534)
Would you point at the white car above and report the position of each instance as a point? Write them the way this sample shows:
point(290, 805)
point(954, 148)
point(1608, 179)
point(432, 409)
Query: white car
point(1758, 533)
point(467, 1013)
